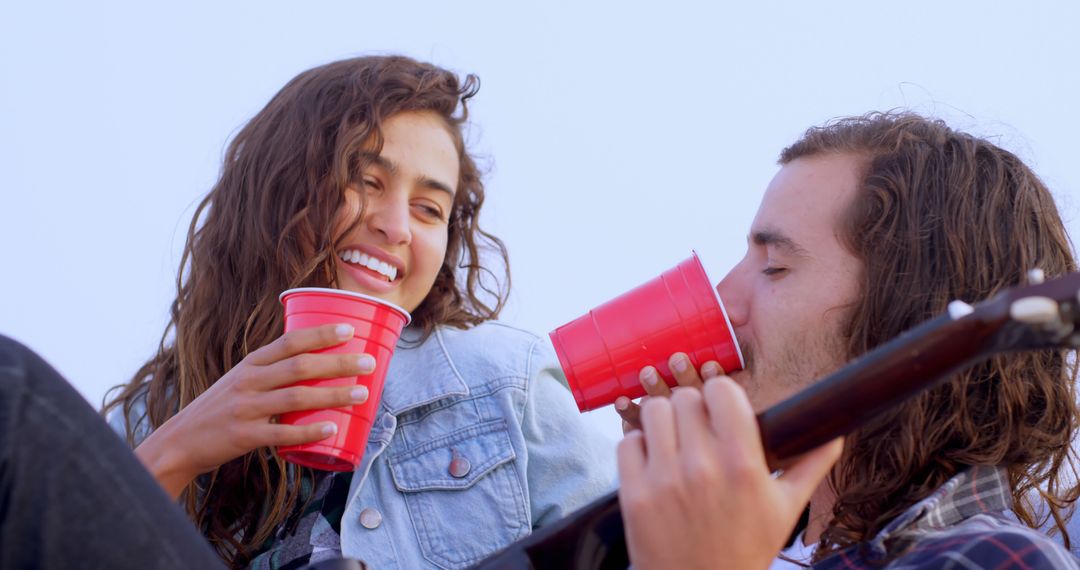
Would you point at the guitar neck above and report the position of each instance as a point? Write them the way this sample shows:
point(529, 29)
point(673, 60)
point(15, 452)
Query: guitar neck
point(1038, 316)
point(592, 537)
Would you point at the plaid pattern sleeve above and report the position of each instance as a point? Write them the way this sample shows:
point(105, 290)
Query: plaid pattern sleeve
point(1004, 547)
point(962, 525)
point(313, 532)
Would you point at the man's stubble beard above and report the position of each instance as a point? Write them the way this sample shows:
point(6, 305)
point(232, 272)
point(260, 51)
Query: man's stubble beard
point(798, 363)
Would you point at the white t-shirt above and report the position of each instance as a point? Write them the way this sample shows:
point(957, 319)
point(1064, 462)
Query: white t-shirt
point(797, 551)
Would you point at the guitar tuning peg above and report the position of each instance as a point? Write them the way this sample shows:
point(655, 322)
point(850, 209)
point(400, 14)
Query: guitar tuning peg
point(1035, 276)
point(959, 309)
point(1035, 310)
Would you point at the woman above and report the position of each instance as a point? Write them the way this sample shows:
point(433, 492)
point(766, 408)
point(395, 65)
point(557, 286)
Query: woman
point(356, 176)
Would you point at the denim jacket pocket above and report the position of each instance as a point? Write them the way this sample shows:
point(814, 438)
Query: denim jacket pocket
point(463, 494)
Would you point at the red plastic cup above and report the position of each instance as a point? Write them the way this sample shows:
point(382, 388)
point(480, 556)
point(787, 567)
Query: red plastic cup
point(602, 352)
point(377, 326)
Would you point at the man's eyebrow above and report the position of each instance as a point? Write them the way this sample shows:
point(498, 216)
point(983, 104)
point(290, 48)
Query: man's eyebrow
point(389, 166)
point(778, 240)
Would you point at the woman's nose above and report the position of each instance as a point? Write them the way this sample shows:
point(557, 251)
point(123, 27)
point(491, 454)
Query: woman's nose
point(389, 217)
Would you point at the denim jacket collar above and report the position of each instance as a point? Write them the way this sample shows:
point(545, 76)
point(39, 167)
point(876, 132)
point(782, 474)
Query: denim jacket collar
point(420, 373)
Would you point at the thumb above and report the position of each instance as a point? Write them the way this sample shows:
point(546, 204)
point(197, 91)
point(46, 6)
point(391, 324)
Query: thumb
point(806, 473)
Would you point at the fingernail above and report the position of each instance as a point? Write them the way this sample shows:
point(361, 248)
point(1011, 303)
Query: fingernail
point(359, 394)
point(344, 331)
point(621, 403)
point(710, 369)
point(680, 363)
point(366, 362)
point(649, 375)
point(329, 429)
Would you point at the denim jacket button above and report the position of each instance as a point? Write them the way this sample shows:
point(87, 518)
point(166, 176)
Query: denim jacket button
point(370, 518)
point(459, 466)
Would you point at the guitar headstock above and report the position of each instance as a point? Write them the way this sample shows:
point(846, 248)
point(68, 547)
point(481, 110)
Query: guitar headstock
point(1042, 314)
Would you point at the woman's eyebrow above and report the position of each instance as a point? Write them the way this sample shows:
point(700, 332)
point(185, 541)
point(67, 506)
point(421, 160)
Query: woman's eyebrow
point(389, 166)
point(380, 161)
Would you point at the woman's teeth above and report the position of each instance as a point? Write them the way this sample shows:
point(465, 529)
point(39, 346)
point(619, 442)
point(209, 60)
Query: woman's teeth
point(359, 258)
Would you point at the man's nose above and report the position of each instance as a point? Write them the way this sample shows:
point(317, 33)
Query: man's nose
point(734, 298)
point(389, 216)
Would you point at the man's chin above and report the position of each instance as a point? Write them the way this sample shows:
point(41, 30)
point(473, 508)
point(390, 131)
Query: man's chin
point(745, 380)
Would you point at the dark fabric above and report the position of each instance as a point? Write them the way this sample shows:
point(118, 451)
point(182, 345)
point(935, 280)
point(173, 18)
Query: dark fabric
point(72, 495)
point(322, 504)
point(963, 525)
point(1008, 548)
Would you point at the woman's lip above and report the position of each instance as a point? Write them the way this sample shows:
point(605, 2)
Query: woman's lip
point(379, 255)
point(368, 279)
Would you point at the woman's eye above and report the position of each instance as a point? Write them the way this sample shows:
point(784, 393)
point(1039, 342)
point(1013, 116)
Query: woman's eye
point(430, 211)
point(773, 270)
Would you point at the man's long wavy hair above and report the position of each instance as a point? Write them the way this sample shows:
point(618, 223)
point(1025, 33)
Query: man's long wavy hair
point(267, 226)
point(943, 215)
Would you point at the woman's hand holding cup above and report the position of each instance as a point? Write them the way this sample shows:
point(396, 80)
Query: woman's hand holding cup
point(235, 415)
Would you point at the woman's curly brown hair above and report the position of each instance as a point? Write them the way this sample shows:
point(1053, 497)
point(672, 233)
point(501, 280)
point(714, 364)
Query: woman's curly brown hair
point(267, 226)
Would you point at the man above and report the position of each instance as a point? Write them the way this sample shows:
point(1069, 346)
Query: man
point(873, 225)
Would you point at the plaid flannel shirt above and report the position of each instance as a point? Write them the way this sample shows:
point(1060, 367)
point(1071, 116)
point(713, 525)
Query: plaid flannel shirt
point(313, 532)
point(965, 524)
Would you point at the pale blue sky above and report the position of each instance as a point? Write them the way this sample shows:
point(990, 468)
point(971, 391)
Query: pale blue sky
point(618, 135)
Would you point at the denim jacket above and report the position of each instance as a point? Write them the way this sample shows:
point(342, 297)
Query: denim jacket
point(477, 441)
